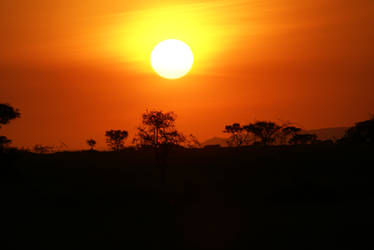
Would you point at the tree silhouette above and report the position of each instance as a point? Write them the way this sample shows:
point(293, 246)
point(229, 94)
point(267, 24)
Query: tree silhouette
point(116, 139)
point(159, 133)
point(288, 132)
point(303, 139)
point(158, 128)
point(265, 131)
point(7, 113)
point(251, 129)
point(91, 143)
point(237, 137)
point(361, 133)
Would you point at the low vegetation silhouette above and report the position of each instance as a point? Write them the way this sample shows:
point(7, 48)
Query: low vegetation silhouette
point(43, 149)
point(303, 139)
point(191, 142)
point(91, 143)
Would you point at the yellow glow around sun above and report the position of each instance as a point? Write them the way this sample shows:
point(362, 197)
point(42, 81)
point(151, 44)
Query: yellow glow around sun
point(172, 59)
point(136, 34)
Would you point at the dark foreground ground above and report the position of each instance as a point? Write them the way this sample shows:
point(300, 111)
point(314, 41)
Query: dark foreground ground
point(306, 197)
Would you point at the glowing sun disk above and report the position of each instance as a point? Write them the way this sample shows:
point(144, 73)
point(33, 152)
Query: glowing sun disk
point(172, 59)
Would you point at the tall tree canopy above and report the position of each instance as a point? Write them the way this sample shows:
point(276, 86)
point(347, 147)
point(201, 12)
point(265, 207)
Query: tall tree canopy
point(116, 139)
point(158, 128)
point(237, 137)
point(265, 131)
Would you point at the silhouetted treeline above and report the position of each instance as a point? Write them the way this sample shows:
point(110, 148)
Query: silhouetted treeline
point(270, 133)
point(267, 133)
point(158, 132)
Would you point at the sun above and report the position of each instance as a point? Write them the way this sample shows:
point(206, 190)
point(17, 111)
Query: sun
point(172, 59)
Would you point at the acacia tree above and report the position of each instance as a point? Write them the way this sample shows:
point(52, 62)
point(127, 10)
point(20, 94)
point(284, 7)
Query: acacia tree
point(116, 139)
point(158, 129)
point(91, 143)
point(288, 132)
point(265, 131)
point(158, 132)
point(237, 137)
point(251, 129)
point(7, 113)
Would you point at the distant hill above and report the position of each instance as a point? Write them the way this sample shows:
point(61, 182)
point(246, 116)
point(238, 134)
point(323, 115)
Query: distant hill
point(215, 141)
point(323, 134)
point(328, 133)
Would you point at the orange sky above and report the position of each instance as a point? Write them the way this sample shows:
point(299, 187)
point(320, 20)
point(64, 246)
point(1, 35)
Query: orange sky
point(78, 68)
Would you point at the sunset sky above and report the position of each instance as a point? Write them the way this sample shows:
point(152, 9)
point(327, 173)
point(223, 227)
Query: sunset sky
point(78, 68)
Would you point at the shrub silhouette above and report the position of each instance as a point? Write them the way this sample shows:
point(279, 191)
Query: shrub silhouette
point(116, 139)
point(303, 139)
point(41, 149)
point(91, 143)
point(192, 142)
point(4, 142)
